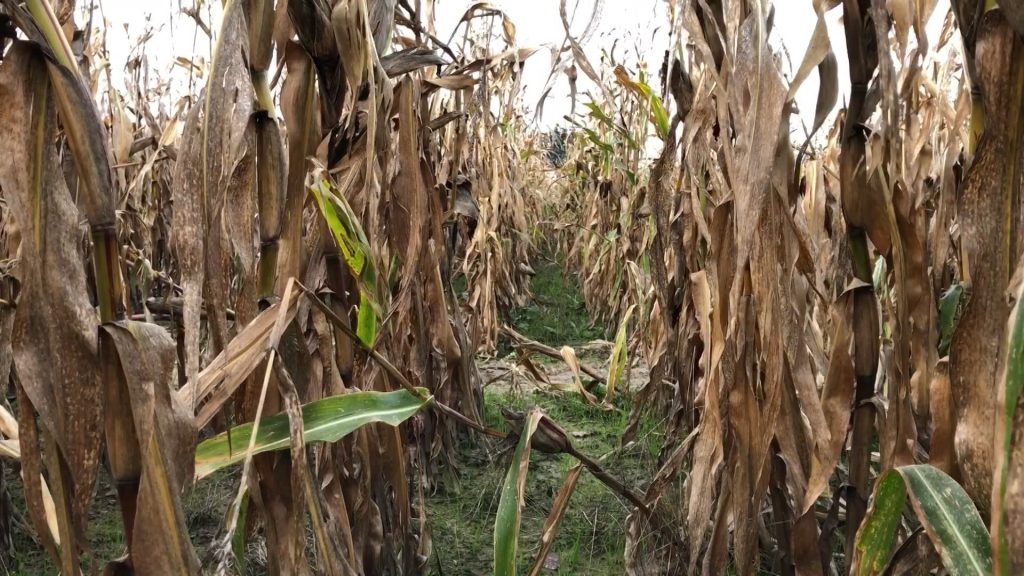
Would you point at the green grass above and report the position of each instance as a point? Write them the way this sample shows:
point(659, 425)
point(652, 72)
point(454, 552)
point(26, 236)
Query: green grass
point(204, 505)
point(557, 315)
point(103, 529)
point(591, 539)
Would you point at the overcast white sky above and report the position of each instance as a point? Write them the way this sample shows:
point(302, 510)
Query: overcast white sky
point(630, 26)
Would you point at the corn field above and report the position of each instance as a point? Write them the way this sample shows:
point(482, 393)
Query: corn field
point(282, 266)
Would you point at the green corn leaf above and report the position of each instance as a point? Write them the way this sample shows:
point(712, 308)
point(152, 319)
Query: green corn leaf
point(950, 519)
point(944, 509)
point(949, 315)
point(596, 139)
point(355, 250)
point(344, 225)
point(366, 321)
point(601, 116)
point(875, 537)
point(1013, 383)
point(642, 91)
point(659, 116)
point(878, 276)
point(325, 420)
point(598, 114)
point(506, 523)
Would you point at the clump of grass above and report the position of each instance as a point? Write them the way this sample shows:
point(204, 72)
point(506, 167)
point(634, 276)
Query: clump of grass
point(104, 531)
point(591, 538)
point(557, 315)
point(204, 508)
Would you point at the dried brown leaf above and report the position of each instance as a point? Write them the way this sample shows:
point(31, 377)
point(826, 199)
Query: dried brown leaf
point(54, 334)
point(551, 523)
point(225, 373)
point(836, 402)
point(212, 144)
point(166, 437)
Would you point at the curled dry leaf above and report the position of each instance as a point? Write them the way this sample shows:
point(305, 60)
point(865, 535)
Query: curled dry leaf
point(166, 437)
